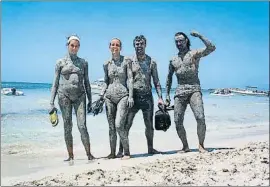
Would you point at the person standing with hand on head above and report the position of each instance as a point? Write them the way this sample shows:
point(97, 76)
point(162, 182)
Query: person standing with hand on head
point(71, 83)
point(186, 66)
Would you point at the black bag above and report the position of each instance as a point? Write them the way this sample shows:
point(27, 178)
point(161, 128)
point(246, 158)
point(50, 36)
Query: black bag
point(162, 119)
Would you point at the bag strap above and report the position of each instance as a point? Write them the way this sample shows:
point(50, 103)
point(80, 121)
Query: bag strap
point(164, 108)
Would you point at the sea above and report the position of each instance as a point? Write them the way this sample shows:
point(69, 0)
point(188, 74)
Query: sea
point(29, 143)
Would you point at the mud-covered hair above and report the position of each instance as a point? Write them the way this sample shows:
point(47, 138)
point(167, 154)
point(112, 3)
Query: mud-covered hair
point(116, 39)
point(141, 37)
point(183, 34)
point(74, 35)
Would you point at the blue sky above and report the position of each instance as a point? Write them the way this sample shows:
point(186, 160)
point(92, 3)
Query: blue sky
point(34, 37)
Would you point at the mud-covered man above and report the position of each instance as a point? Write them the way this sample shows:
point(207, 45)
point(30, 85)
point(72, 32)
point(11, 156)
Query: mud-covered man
point(143, 68)
point(185, 65)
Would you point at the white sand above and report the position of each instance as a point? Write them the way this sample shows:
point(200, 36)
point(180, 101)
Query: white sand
point(247, 164)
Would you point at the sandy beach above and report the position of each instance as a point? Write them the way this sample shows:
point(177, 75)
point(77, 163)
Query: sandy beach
point(237, 136)
point(244, 163)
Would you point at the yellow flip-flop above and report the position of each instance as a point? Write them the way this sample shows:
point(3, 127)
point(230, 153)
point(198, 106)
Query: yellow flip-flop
point(54, 118)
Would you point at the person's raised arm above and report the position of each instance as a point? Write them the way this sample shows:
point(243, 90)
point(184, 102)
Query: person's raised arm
point(210, 47)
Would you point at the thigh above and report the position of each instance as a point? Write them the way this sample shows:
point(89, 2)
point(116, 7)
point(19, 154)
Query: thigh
point(111, 109)
point(65, 105)
point(130, 116)
point(80, 110)
point(196, 104)
point(122, 109)
point(180, 105)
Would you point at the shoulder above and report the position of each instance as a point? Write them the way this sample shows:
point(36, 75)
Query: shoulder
point(173, 60)
point(153, 62)
point(193, 51)
point(127, 59)
point(83, 61)
point(60, 62)
point(106, 63)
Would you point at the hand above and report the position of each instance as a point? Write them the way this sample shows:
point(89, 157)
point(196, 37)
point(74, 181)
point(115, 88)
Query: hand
point(130, 102)
point(89, 107)
point(168, 101)
point(52, 108)
point(195, 34)
point(101, 98)
point(160, 101)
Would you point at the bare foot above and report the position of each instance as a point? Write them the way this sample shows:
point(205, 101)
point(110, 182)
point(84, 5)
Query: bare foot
point(69, 159)
point(91, 157)
point(153, 151)
point(202, 149)
point(119, 155)
point(184, 150)
point(111, 156)
point(126, 157)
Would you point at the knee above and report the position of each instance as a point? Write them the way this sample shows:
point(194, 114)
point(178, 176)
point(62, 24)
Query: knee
point(120, 122)
point(178, 120)
point(178, 124)
point(83, 130)
point(200, 120)
point(112, 128)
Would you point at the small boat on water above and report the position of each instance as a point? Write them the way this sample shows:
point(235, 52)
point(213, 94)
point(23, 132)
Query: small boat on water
point(250, 90)
point(222, 92)
point(11, 92)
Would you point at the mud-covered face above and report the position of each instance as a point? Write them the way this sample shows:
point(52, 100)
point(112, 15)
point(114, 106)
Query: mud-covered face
point(73, 47)
point(115, 46)
point(181, 42)
point(140, 46)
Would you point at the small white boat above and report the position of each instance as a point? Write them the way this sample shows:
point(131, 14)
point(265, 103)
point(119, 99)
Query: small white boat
point(250, 91)
point(11, 91)
point(222, 92)
point(230, 94)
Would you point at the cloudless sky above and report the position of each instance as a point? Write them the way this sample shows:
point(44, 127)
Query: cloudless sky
point(34, 36)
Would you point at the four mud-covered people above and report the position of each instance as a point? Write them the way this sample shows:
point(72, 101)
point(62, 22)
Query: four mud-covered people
point(71, 83)
point(128, 89)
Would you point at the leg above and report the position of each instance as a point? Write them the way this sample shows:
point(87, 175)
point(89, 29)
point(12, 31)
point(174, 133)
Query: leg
point(180, 105)
point(149, 129)
point(120, 123)
point(111, 114)
point(129, 120)
point(80, 111)
point(196, 104)
point(66, 109)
